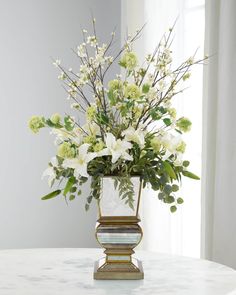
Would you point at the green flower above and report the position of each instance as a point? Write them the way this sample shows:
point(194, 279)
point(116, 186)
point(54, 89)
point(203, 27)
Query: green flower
point(184, 124)
point(181, 147)
point(172, 112)
point(35, 123)
point(66, 151)
point(155, 144)
point(89, 139)
point(132, 91)
point(98, 146)
point(115, 90)
point(129, 61)
point(115, 84)
point(55, 118)
point(91, 112)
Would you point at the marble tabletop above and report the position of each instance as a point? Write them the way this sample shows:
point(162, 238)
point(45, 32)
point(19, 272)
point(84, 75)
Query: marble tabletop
point(70, 272)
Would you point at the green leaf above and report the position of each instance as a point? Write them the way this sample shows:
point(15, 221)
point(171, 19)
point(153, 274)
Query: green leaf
point(73, 189)
point(111, 97)
point(103, 119)
point(69, 125)
point(170, 199)
point(51, 195)
point(161, 196)
point(180, 201)
point(167, 189)
point(89, 199)
point(71, 197)
point(79, 193)
point(190, 175)
point(167, 121)
point(71, 181)
point(154, 114)
point(168, 168)
point(173, 209)
point(122, 64)
point(162, 110)
point(177, 130)
point(175, 187)
point(145, 88)
point(49, 123)
point(186, 163)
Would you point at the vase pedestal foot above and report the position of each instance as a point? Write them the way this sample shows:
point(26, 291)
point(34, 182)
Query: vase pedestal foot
point(104, 270)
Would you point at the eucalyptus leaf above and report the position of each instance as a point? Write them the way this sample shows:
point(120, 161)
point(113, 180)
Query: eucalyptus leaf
point(173, 209)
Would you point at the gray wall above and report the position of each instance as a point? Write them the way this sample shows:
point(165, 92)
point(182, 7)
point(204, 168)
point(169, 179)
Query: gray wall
point(30, 32)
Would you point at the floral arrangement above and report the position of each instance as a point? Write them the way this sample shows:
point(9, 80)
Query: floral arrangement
point(130, 125)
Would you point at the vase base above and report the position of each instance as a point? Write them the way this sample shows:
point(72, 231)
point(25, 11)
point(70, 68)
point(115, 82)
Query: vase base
point(118, 271)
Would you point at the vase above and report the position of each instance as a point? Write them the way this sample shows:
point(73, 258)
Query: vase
point(118, 232)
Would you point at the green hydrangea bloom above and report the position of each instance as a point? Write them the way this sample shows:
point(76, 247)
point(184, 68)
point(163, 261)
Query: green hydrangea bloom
point(91, 112)
point(115, 84)
point(129, 60)
point(172, 112)
point(181, 147)
point(89, 139)
point(66, 151)
point(35, 123)
point(132, 91)
point(184, 124)
point(55, 118)
point(98, 146)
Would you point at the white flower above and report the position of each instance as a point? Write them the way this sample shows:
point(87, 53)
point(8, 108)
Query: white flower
point(92, 41)
point(62, 76)
point(171, 144)
point(80, 163)
point(137, 136)
point(56, 63)
point(81, 50)
point(161, 85)
point(98, 85)
point(50, 171)
point(116, 148)
point(152, 94)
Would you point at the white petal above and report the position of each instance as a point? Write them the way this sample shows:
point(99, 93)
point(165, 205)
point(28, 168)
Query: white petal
point(126, 145)
point(83, 149)
point(90, 156)
point(81, 170)
point(70, 163)
point(104, 152)
point(48, 172)
point(110, 140)
point(115, 156)
point(126, 156)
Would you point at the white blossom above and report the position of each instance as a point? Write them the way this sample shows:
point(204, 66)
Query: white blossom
point(80, 163)
point(137, 136)
point(117, 148)
point(56, 63)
